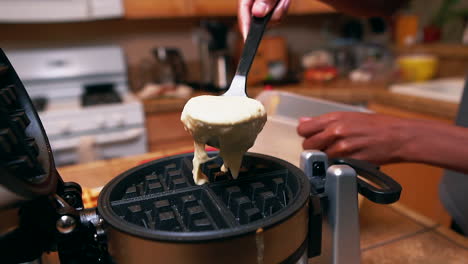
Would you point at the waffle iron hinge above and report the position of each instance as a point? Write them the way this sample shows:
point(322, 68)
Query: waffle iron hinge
point(336, 188)
point(337, 183)
point(56, 222)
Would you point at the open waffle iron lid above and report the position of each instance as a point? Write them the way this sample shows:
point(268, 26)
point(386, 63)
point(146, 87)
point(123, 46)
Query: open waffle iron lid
point(27, 166)
point(160, 201)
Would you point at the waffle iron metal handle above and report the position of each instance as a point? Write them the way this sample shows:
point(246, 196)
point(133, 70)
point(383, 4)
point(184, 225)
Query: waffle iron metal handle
point(372, 183)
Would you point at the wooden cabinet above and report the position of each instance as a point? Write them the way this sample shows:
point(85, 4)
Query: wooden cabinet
point(191, 8)
point(214, 8)
point(302, 7)
point(272, 49)
point(156, 8)
point(420, 182)
point(165, 130)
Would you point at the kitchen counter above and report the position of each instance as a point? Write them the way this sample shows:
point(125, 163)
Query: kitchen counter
point(389, 233)
point(342, 91)
point(339, 90)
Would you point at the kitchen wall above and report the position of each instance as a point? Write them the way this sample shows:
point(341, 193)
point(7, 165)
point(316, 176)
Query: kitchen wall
point(138, 37)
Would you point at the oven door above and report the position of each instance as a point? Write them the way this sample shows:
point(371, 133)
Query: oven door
point(104, 145)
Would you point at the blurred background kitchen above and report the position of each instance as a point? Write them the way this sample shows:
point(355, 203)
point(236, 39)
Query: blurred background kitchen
point(110, 77)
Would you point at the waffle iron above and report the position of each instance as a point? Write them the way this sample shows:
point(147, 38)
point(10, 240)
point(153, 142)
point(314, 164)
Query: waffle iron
point(154, 213)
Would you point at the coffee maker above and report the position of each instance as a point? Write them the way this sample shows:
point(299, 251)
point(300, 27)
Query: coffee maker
point(216, 65)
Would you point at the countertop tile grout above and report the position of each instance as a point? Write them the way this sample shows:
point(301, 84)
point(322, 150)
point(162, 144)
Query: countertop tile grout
point(393, 240)
point(433, 225)
point(450, 239)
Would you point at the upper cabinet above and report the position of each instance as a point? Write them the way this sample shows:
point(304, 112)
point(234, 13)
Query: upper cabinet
point(302, 7)
point(156, 8)
point(214, 7)
point(186, 8)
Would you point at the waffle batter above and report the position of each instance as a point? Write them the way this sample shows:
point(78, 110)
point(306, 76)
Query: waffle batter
point(230, 123)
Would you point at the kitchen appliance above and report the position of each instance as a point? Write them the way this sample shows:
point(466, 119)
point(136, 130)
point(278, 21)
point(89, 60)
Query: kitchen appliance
point(84, 102)
point(170, 66)
point(216, 69)
point(43, 11)
point(155, 213)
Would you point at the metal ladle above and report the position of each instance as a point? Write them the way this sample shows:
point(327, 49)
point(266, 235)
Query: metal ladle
point(238, 85)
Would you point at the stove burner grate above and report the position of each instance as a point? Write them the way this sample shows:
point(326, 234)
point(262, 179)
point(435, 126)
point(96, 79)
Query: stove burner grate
point(97, 94)
point(40, 103)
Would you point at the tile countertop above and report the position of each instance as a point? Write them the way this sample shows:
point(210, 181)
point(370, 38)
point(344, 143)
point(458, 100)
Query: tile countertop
point(389, 233)
point(342, 91)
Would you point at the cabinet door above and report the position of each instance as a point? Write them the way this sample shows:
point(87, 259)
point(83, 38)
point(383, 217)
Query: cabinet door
point(156, 8)
point(166, 131)
point(214, 7)
point(302, 7)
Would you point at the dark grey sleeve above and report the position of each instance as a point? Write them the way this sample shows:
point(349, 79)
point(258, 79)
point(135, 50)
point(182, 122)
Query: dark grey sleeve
point(453, 189)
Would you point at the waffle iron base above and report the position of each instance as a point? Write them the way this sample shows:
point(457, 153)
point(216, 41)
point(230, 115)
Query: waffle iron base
point(156, 212)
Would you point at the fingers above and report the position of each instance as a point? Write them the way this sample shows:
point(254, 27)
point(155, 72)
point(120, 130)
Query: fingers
point(320, 141)
point(344, 147)
point(309, 126)
point(245, 14)
point(360, 149)
point(335, 136)
point(280, 10)
point(330, 133)
point(365, 156)
point(363, 136)
point(262, 7)
point(259, 8)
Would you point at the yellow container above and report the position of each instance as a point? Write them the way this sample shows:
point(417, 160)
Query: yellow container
point(418, 68)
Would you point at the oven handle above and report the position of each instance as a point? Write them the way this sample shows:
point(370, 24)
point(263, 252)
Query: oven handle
point(383, 190)
point(120, 137)
point(112, 138)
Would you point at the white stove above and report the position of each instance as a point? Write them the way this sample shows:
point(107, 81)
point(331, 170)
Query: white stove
point(84, 103)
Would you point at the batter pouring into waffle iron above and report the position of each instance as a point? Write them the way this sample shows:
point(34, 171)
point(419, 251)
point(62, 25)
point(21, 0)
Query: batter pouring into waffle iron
point(230, 123)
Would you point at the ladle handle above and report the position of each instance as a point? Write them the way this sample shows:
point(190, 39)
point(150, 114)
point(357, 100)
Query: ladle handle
point(256, 30)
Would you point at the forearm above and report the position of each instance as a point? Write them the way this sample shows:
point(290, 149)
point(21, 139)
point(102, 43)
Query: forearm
point(366, 7)
point(436, 144)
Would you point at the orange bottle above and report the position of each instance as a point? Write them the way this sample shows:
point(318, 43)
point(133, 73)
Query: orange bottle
point(406, 29)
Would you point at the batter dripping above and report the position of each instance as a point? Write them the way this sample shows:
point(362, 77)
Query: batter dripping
point(230, 123)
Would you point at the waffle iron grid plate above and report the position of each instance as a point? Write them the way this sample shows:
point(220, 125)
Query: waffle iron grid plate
point(159, 200)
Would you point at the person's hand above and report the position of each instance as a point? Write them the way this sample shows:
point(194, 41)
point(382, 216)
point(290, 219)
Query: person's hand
point(259, 8)
point(372, 137)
